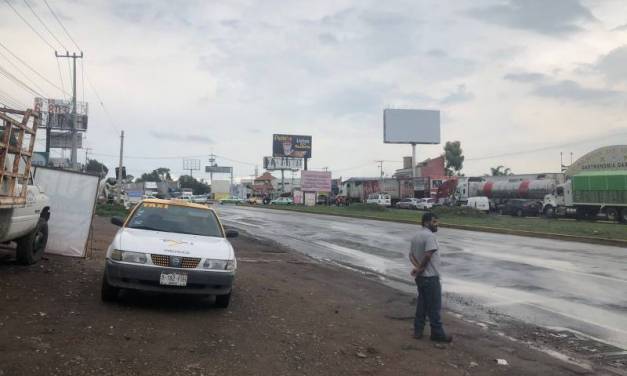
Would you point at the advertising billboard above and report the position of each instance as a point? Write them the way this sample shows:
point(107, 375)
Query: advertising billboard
point(64, 141)
point(57, 113)
point(282, 163)
point(287, 145)
point(218, 169)
point(315, 181)
point(411, 126)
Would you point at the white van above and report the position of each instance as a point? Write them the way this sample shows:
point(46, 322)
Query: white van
point(382, 199)
point(480, 203)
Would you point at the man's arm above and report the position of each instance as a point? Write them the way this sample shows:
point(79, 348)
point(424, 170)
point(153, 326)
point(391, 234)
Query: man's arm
point(424, 262)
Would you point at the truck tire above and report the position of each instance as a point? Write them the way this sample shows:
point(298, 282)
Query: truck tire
point(31, 247)
point(222, 301)
point(549, 212)
point(612, 214)
point(108, 293)
point(623, 215)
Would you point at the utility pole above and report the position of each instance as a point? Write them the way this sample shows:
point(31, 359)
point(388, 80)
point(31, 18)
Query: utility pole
point(118, 183)
point(212, 160)
point(87, 150)
point(73, 156)
point(380, 162)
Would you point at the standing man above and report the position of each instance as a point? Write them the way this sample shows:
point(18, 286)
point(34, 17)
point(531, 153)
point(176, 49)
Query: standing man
point(425, 258)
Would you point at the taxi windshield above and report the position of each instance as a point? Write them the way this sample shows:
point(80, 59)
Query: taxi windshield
point(175, 218)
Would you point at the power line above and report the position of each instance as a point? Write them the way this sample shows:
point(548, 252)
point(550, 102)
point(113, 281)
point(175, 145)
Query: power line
point(32, 69)
point(545, 148)
point(44, 25)
point(21, 71)
point(29, 25)
point(11, 101)
point(111, 122)
point(60, 23)
point(21, 83)
point(61, 78)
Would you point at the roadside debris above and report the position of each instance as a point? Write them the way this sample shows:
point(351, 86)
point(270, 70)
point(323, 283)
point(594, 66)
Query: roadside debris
point(501, 362)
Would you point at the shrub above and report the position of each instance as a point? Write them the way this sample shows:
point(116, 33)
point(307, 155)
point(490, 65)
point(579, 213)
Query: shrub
point(460, 211)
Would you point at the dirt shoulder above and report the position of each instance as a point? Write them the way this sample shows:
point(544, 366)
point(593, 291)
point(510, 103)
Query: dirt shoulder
point(289, 316)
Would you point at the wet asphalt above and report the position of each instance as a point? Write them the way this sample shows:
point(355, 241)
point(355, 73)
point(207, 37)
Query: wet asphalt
point(555, 284)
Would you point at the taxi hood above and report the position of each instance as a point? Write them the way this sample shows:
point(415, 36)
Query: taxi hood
point(173, 244)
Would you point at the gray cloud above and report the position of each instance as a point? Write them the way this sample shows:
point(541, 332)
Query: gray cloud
point(436, 52)
point(458, 96)
point(327, 38)
point(620, 28)
point(546, 17)
point(568, 89)
point(181, 137)
point(525, 77)
point(614, 65)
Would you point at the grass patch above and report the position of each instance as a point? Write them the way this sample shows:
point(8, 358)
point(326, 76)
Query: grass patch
point(465, 217)
point(111, 210)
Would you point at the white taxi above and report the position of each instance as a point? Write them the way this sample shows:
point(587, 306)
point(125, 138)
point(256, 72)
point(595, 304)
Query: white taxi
point(171, 246)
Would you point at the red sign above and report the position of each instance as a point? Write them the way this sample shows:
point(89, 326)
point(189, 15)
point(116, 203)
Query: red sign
point(315, 181)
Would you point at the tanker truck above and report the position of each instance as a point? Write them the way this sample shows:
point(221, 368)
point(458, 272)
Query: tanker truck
point(500, 192)
point(588, 194)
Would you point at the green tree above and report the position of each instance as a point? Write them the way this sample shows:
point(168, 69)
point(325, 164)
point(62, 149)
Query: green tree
point(160, 174)
point(96, 167)
point(199, 188)
point(454, 158)
point(500, 171)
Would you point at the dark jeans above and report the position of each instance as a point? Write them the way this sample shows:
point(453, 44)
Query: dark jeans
point(429, 304)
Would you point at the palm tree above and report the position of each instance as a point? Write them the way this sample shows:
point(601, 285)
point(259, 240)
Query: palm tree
point(501, 171)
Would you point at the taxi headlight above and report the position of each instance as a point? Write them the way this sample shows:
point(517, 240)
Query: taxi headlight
point(126, 256)
point(218, 264)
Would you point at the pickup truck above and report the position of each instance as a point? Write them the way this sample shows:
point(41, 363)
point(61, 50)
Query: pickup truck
point(27, 226)
point(24, 208)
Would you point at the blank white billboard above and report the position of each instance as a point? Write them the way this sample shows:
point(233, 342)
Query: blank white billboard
point(72, 198)
point(411, 126)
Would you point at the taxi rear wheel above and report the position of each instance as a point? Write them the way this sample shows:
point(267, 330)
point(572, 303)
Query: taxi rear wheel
point(223, 301)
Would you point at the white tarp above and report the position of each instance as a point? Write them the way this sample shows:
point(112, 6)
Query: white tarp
point(72, 197)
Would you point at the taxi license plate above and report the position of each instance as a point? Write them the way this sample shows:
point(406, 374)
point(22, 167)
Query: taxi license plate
point(173, 279)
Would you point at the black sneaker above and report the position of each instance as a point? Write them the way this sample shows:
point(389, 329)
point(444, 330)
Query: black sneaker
point(444, 339)
point(417, 336)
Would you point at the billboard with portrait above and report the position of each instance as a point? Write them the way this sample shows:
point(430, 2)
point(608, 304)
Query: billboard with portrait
point(288, 145)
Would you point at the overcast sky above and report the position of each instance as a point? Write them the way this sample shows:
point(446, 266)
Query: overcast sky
point(187, 78)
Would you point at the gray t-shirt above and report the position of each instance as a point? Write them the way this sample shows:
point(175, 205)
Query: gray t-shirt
point(424, 241)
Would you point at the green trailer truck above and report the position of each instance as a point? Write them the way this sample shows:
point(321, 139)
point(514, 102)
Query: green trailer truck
point(588, 194)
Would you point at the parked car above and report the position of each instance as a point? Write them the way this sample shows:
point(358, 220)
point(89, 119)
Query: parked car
point(425, 203)
point(408, 203)
point(282, 201)
point(382, 199)
point(254, 200)
point(200, 199)
point(187, 198)
point(170, 246)
point(233, 200)
point(521, 208)
point(480, 203)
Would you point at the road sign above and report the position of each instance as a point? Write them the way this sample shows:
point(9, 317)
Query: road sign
point(218, 169)
point(282, 163)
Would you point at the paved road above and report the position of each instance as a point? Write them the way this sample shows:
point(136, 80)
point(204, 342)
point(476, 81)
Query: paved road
point(555, 284)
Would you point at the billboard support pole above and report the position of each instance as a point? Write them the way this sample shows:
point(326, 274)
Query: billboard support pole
point(305, 163)
point(413, 167)
point(282, 181)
